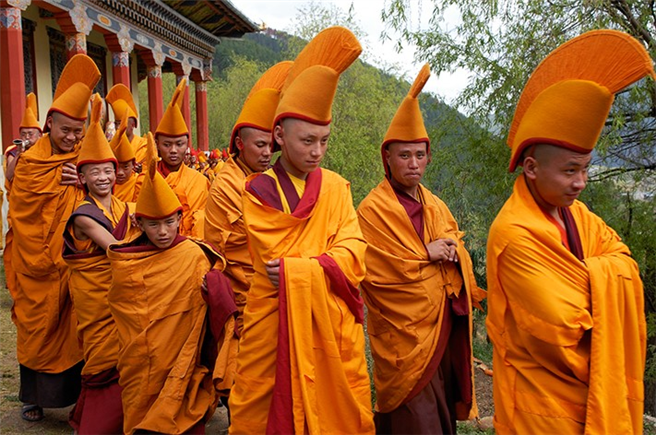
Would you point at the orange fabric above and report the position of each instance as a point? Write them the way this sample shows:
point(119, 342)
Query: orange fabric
point(330, 384)
point(224, 228)
point(31, 114)
point(160, 316)
point(139, 147)
point(90, 277)
point(405, 292)
point(127, 191)
point(42, 311)
point(569, 335)
point(567, 98)
point(94, 147)
point(76, 83)
point(120, 97)
point(191, 188)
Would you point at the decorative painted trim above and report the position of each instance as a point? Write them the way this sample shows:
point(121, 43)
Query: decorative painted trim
point(10, 18)
point(206, 71)
point(178, 79)
point(158, 54)
point(76, 43)
point(80, 18)
point(201, 86)
point(121, 59)
point(127, 44)
point(155, 72)
point(186, 67)
point(20, 4)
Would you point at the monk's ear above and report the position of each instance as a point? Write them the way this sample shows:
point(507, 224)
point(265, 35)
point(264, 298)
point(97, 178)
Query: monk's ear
point(49, 122)
point(277, 134)
point(530, 166)
point(387, 155)
point(239, 143)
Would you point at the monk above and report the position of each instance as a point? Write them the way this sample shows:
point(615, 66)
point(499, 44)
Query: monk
point(42, 197)
point(190, 186)
point(30, 132)
point(126, 176)
point(418, 289)
point(301, 366)
point(250, 146)
point(566, 308)
point(160, 314)
point(122, 102)
point(101, 219)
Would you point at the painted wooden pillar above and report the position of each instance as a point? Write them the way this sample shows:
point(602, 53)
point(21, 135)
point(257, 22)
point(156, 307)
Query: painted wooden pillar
point(155, 96)
point(202, 125)
point(12, 72)
point(76, 25)
point(121, 46)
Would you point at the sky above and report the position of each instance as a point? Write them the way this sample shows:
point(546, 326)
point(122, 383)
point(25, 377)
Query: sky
point(281, 15)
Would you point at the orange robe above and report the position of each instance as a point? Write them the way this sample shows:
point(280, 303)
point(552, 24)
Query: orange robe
point(126, 192)
point(406, 295)
point(42, 311)
point(566, 317)
point(139, 145)
point(224, 228)
point(302, 369)
point(160, 315)
point(191, 188)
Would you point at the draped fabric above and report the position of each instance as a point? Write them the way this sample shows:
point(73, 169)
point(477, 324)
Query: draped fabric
point(569, 335)
point(301, 368)
point(126, 191)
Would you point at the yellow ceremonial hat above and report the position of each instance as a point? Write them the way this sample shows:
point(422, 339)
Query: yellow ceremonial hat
point(568, 97)
point(76, 83)
point(173, 123)
point(311, 84)
point(94, 147)
point(30, 116)
point(120, 144)
point(408, 123)
point(202, 157)
point(120, 98)
point(156, 199)
point(262, 101)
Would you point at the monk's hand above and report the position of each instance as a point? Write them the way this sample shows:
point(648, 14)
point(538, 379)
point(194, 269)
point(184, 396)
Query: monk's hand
point(273, 270)
point(442, 250)
point(133, 220)
point(69, 175)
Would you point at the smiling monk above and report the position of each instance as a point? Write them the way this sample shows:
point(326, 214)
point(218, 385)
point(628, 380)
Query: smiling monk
point(418, 289)
point(43, 195)
point(566, 314)
point(301, 366)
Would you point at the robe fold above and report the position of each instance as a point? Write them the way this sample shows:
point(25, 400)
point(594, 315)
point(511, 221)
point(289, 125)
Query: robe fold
point(406, 297)
point(301, 368)
point(569, 333)
point(42, 310)
point(160, 314)
point(126, 192)
point(140, 147)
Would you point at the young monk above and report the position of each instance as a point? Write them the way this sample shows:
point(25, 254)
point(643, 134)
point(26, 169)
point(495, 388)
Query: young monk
point(101, 219)
point(160, 314)
point(126, 177)
point(301, 366)
point(125, 111)
point(566, 304)
point(43, 195)
point(418, 289)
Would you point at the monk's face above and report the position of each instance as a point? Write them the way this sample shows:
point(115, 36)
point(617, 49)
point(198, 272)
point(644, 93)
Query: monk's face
point(124, 171)
point(99, 178)
point(303, 145)
point(172, 150)
point(161, 232)
point(31, 135)
point(65, 132)
point(254, 148)
point(407, 162)
point(556, 176)
point(132, 124)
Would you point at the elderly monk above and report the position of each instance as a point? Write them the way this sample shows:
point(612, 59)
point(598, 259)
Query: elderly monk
point(126, 177)
point(565, 297)
point(190, 186)
point(120, 98)
point(43, 195)
point(250, 146)
point(418, 289)
point(30, 132)
point(301, 366)
point(160, 314)
point(101, 219)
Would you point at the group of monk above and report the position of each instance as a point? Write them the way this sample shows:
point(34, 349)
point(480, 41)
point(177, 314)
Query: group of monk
point(148, 299)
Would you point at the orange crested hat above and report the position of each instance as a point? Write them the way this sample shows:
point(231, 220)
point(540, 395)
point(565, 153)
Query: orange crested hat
point(262, 101)
point(311, 84)
point(173, 123)
point(408, 123)
point(30, 116)
point(94, 147)
point(156, 199)
point(120, 144)
point(120, 98)
point(74, 89)
point(202, 157)
point(568, 97)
